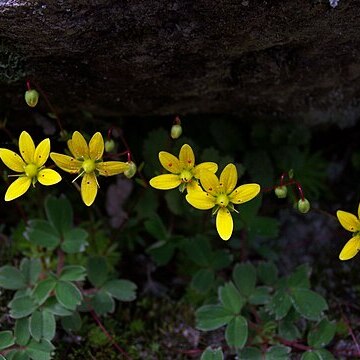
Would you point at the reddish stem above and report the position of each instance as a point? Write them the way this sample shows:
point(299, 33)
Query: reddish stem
point(61, 260)
point(28, 85)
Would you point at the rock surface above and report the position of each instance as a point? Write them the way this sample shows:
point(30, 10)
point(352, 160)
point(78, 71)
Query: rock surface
point(289, 59)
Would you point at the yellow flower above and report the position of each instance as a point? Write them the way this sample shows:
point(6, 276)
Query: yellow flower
point(222, 195)
point(183, 171)
point(87, 162)
point(351, 223)
point(30, 166)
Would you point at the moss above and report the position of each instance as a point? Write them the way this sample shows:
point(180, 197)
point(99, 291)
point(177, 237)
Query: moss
point(12, 66)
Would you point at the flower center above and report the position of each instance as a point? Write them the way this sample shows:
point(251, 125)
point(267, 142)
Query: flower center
point(186, 176)
point(88, 166)
point(31, 170)
point(222, 200)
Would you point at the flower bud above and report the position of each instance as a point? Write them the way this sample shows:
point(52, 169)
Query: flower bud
point(31, 97)
point(303, 206)
point(176, 131)
point(109, 145)
point(281, 192)
point(131, 171)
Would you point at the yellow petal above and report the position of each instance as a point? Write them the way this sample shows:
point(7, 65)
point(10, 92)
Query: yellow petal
point(78, 146)
point(42, 152)
point(228, 178)
point(89, 188)
point(170, 162)
point(244, 193)
point(193, 185)
point(48, 177)
point(350, 249)
point(26, 147)
point(200, 200)
point(165, 181)
point(186, 157)
point(209, 182)
point(66, 163)
point(109, 168)
point(12, 160)
point(210, 166)
point(96, 147)
point(349, 221)
point(359, 211)
point(224, 223)
point(17, 188)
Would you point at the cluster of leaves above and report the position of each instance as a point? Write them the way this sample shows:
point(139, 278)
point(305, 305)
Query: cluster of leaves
point(49, 289)
point(267, 316)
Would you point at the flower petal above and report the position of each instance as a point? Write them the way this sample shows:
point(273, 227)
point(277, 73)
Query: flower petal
point(193, 185)
point(26, 147)
point(165, 181)
point(350, 249)
point(210, 166)
point(170, 162)
point(228, 178)
point(48, 177)
point(89, 188)
point(187, 157)
point(200, 200)
point(209, 182)
point(78, 146)
point(349, 221)
point(42, 152)
point(18, 188)
point(66, 163)
point(109, 168)
point(96, 146)
point(12, 160)
point(224, 223)
point(244, 193)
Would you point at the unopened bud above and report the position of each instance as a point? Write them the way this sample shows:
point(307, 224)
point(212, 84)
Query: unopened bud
point(281, 192)
point(303, 206)
point(109, 145)
point(31, 97)
point(176, 131)
point(131, 171)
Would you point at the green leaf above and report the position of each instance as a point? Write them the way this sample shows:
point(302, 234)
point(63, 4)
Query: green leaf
point(40, 350)
point(55, 308)
point(21, 307)
point(250, 353)
point(74, 241)
point(266, 227)
point(231, 298)
point(97, 270)
point(198, 250)
point(42, 233)
point(278, 352)
point(203, 280)
point(68, 295)
point(162, 252)
point(42, 325)
point(320, 354)
point(6, 339)
point(17, 355)
point(236, 332)
point(300, 278)
point(288, 330)
point(123, 290)
point(11, 278)
point(156, 228)
point(211, 317)
point(59, 212)
point(73, 273)
point(249, 210)
point(244, 276)
point(321, 334)
point(31, 270)
point(43, 290)
point(21, 331)
point(176, 202)
point(260, 296)
point(308, 303)
point(267, 273)
point(71, 323)
point(220, 259)
point(280, 304)
point(2, 358)
point(212, 354)
point(102, 303)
